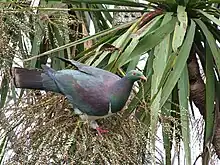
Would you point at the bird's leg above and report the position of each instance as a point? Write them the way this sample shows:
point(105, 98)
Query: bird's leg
point(94, 125)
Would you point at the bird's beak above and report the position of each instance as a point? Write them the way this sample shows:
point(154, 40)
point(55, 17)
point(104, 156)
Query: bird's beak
point(143, 78)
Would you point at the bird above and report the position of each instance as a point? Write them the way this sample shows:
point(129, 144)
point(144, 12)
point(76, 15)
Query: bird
point(93, 92)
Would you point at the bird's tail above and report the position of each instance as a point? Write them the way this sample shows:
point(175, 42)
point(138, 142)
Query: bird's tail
point(27, 78)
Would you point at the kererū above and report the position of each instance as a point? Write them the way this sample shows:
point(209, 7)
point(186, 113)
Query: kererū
point(93, 92)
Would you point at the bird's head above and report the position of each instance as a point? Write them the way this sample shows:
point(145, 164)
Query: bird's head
point(135, 75)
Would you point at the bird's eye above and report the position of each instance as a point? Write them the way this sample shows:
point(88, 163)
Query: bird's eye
point(134, 74)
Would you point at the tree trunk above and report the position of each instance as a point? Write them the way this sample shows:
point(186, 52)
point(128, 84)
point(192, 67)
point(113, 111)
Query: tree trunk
point(197, 94)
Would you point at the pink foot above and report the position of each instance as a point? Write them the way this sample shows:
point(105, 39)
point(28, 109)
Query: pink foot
point(101, 131)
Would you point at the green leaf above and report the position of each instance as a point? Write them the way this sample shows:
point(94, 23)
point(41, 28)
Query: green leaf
point(159, 64)
point(96, 46)
point(125, 56)
point(211, 17)
point(99, 34)
point(122, 41)
point(170, 63)
point(13, 91)
point(210, 94)
point(56, 40)
point(194, 1)
point(4, 90)
point(210, 105)
point(161, 56)
point(85, 9)
point(162, 1)
point(107, 14)
point(152, 39)
point(109, 2)
point(186, 2)
point(117, 58)
point(97, 53)
point(3, 145)
point(99, 22)
point(35, 49)
point(161, 53)
point(180, 28)
point(136, 100)
point(211, 42)
point(100, 59)
point(183, 86)
point(179, 64)
point(132, 64)
point(214, 31)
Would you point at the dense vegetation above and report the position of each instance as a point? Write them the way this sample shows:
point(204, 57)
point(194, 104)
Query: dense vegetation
point(177, 44)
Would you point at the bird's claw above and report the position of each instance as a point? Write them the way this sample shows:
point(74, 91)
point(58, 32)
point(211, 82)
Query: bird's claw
point(101, 131)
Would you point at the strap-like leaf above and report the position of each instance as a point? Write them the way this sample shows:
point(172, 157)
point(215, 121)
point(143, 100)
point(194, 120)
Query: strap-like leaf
point(152, 25)
point(3, 145)
point(35, 49)
point(211, 17)
point(210, 99)
point(179, 64)
point(152, 39)
point(109, 2)
point(211, 42)
point(102, 33)
point(161, 53)
point(4, 90)
point(180, 28)
point(183, 86)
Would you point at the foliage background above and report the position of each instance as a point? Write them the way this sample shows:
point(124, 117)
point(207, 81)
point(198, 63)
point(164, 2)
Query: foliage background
point(180, 39)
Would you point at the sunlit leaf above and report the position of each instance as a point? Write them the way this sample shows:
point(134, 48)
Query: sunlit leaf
point(211, 42)
point(180, 28)
point(112, 2)
point(179, 64)
point(122, 41)
point(36, 44)
point(211, 17)
point(159, 64)
point(143, 94)
point(125, 56)
point(3, 145)
point(100, 34)
point(152, 39)
point(183, 86)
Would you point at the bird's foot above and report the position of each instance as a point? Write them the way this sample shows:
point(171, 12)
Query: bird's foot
point(94, 125)
point(101, 131)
